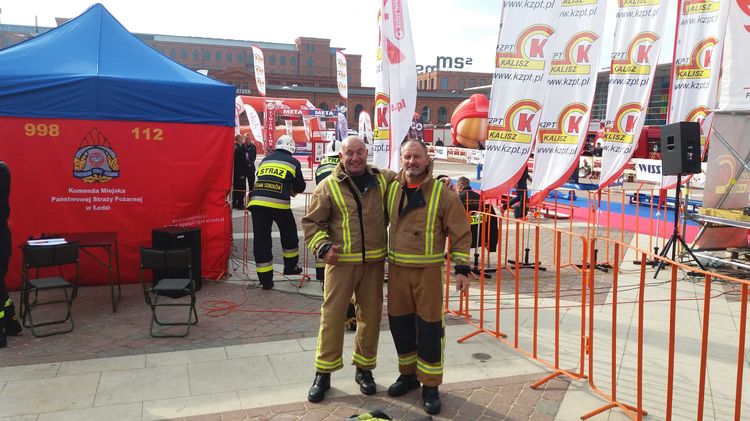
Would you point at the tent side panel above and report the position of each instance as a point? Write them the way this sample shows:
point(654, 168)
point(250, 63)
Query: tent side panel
point(124, 176)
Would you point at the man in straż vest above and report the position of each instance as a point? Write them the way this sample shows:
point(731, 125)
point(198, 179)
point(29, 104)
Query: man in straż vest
point(279, 177)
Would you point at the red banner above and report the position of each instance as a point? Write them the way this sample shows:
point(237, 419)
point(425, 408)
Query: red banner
point(123, 176)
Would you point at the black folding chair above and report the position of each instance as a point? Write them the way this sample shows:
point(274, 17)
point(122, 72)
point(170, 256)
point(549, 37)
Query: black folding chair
point(168, 260)
point(49, 256)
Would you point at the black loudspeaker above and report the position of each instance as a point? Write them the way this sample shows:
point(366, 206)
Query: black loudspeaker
point(176, 238)
point(681, 148)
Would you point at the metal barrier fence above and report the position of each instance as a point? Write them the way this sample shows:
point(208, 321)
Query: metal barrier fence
point(672, 359)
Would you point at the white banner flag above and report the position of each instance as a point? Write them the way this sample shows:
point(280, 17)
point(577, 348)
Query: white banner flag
point(635, 53)
point(735, 78)
point(238, 109)
point(696, 66)
point(571, 84)
point(365, 126)
point(256, 127)
point(523, 56)
point(396, 88)
point(260, 70)
point(341, 76)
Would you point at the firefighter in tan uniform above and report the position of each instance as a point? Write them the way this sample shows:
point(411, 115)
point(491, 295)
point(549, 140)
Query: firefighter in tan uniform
point(422, 214)
point(345, 226)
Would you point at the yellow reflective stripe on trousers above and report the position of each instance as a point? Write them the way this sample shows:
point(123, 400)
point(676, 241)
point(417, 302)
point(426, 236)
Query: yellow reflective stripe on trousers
point(290, 253)
point(263, 267)
point(8, 302)
point(427, 368)
point(315, 238)
point(429, 238)
point(2, 314)
point(339, 199)
point(407, 360)
point(357, 358)
point(328, 366)
point(415, 258)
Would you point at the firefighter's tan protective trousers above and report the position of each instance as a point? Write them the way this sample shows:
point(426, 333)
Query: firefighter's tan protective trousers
point(366, 282)
point(415, 315)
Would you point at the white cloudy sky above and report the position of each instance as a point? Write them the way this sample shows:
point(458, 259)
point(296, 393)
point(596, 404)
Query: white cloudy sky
point(456, 28)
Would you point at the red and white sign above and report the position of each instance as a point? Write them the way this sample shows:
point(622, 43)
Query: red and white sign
point(396, 87)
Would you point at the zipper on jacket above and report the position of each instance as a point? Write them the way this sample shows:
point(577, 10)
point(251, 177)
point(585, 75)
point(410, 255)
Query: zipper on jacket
point(355, 193)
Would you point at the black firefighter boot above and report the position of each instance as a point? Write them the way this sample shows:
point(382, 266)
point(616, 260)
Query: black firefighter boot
point(12, 325)
point(320, 385)
point(431, 398)
point(365, 381)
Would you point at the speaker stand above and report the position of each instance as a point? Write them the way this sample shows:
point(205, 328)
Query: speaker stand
point(676, 237)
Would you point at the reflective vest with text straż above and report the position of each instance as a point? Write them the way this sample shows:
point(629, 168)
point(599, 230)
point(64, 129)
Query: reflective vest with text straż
point(279, 176)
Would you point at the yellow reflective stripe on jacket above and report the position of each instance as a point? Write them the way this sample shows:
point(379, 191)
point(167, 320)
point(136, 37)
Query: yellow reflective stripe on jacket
point(476, 219)
point(427, 368)
point(8, 302)
point(339, 199)
point(315, 238)
point(268, 204)
point(383, 188)
point(415, 258)
point(369, 254)
point(429, 237)
point(392, 189)
point(459, 255)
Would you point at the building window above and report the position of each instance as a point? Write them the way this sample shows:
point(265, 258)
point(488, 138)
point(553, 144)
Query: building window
point(444, 83)
point(312, 48)
point(292, 61)
point(442, 115)
point(229, 57)
point(482, 82)
point(240, 57)
point(282, 61)
point(358, 109)
point(461, 83)
point(472, 82)
point(272, 60)
point(218, 56)
point(309, 73)
point(196, 55)
point(309, 61)
point(426, 114)
point(323, 106)
point(173, 53)
point(183, 54)
point(207, 56)
point(432, 83)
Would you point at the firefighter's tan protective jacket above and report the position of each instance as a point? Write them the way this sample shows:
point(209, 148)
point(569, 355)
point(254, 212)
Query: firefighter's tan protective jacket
point(419, 227)
point(340, 215)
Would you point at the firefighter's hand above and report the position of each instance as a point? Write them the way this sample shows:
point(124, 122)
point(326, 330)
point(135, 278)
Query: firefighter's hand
point(463, 281)
point(332, 255)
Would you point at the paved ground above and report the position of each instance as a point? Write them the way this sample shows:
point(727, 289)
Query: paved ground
point(508, 398)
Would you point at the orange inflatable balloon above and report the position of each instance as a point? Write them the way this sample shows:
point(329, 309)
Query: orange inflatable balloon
point(469, 122)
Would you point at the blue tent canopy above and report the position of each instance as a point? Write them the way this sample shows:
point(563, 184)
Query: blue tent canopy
point(92, 68)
